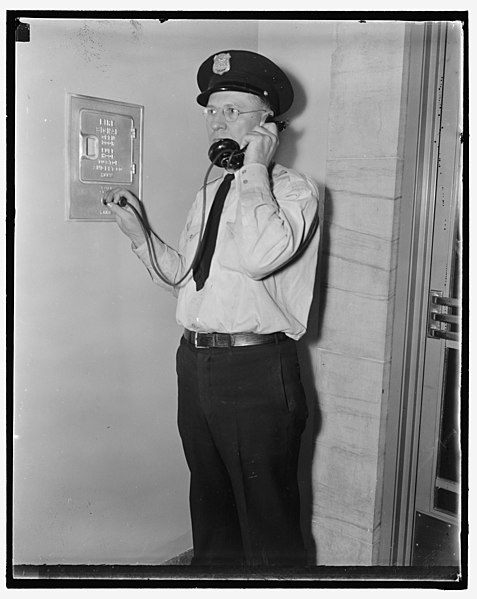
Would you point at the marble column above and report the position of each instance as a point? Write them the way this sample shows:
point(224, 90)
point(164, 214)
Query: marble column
point(360, 236)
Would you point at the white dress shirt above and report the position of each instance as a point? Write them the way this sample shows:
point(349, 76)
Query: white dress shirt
point(254, 285)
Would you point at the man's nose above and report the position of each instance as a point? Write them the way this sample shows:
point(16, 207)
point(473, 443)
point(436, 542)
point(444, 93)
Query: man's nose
point(218, 122)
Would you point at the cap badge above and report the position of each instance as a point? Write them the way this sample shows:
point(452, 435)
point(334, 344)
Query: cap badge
point(221, 63)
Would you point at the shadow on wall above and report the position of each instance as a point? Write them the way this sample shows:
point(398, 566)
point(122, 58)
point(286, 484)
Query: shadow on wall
point(291, 136)
point(306, 349)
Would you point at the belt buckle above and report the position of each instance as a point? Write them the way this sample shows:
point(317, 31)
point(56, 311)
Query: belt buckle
point(196, 341)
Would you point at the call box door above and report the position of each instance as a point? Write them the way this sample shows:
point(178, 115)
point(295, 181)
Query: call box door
point(104, 151)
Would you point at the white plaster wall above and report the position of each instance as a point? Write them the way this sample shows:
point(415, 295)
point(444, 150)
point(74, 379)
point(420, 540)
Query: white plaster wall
point(99, 474)
point(303, 49)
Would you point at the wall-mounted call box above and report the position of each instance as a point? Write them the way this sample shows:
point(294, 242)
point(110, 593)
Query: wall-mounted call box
point(104, 151)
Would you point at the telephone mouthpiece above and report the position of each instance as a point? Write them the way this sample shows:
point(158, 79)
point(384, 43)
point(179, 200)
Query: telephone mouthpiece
point(226, 153)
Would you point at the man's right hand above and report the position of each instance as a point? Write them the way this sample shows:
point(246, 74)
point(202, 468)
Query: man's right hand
point(125, 217)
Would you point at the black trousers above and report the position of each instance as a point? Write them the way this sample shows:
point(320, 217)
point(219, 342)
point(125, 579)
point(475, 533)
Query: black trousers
point(241, 413)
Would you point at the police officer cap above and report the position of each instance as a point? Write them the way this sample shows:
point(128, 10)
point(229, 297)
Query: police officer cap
point(244, 71)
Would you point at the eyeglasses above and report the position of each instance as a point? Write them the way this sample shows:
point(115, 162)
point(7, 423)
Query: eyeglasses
point(231, 114)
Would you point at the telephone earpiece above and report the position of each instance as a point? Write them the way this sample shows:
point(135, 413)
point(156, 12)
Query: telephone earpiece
point(281, 125)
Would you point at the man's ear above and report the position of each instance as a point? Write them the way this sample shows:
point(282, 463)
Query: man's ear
point(266, 118)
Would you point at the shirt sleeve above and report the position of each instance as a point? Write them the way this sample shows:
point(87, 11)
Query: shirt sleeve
point(172, 264)
point(273, 217)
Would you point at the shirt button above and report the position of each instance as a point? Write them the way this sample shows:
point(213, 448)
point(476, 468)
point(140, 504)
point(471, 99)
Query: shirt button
point(245, 181)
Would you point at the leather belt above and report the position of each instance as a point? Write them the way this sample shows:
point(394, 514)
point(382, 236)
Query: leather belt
point(203, 340)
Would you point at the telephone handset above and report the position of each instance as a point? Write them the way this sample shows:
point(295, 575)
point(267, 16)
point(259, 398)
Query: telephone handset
point(226, 153)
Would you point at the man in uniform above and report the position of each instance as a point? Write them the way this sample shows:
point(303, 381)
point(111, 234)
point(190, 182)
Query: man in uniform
point(243, 306)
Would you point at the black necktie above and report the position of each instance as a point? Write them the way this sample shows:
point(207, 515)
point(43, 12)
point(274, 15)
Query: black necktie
point(207, 245)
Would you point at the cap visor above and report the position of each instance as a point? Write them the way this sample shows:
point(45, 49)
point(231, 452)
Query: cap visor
point(203, 98)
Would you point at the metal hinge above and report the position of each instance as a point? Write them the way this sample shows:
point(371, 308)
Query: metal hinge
point(443, 317)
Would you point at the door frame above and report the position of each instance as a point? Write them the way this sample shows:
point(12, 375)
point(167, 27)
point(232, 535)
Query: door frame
point(426, 43)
